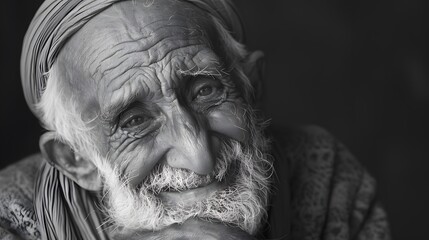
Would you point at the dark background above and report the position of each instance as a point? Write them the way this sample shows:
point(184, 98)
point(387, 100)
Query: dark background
point(360, 69)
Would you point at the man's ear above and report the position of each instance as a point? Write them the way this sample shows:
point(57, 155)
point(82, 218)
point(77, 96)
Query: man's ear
point(62, 157)
point(253, 67)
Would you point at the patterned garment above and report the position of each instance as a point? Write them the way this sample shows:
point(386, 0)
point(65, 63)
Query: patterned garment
point(332, 197)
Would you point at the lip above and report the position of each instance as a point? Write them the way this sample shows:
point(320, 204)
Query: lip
point(188, 197)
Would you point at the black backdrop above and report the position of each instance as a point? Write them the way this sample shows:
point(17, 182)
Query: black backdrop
point(360, 69)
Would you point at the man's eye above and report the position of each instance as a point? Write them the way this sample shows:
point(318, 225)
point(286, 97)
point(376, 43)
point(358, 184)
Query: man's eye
point(205, 91)
point(136, 117)
point(133, 122)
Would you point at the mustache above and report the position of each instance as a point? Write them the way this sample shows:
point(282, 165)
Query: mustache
point(165, 178)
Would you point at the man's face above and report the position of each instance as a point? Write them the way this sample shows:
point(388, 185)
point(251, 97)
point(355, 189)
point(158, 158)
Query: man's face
point(168, 120)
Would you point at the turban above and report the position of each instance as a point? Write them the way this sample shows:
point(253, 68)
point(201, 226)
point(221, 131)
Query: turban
point(57, 20)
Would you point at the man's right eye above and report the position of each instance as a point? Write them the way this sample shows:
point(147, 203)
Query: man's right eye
point(135, 118)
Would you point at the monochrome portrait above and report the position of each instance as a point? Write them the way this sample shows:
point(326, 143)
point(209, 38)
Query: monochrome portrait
point(214, 119)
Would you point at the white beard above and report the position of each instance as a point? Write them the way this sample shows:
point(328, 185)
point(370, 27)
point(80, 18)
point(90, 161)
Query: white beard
point(242, 203)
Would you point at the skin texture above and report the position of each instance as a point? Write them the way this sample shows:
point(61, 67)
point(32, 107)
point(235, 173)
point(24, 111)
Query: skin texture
point(149, 82)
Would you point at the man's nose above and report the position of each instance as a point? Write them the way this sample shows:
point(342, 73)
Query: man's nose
point(190, 144)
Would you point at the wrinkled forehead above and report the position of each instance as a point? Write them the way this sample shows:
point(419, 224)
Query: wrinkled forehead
point(135, 26)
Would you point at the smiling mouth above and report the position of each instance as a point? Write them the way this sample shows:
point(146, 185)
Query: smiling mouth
point(188, 197)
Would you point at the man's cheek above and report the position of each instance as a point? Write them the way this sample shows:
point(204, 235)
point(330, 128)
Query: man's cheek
point(135, 158)
point(230, 120)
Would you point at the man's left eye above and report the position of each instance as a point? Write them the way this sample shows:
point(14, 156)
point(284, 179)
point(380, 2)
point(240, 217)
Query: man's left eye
point(207, 89)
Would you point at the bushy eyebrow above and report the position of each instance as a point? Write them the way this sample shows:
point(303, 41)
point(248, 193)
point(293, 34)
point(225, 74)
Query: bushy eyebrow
point(215, 72)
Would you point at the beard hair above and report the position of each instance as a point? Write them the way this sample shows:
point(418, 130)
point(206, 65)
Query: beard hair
point(246, 167)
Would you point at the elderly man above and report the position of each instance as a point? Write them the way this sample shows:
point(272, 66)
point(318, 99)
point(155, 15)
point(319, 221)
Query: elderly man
point(152, 135)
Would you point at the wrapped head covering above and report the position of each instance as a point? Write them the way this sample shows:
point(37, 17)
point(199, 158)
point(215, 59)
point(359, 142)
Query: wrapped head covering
point(57, 20)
